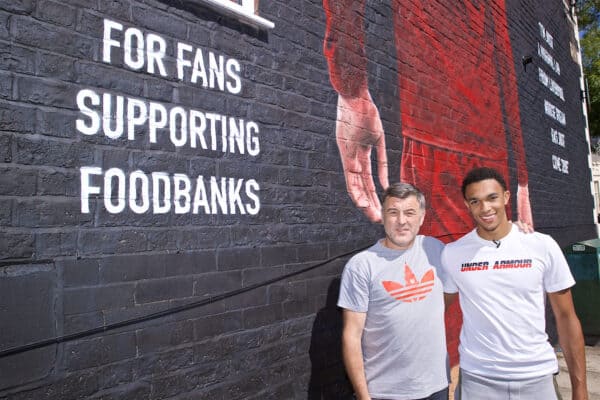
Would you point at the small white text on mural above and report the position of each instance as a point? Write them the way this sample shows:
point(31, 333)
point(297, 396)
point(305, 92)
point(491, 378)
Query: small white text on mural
point(551, 110)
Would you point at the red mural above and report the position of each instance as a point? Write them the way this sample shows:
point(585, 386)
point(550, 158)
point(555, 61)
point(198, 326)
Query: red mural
point(458, 107)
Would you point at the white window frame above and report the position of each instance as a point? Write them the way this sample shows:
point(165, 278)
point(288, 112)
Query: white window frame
point(245, 12)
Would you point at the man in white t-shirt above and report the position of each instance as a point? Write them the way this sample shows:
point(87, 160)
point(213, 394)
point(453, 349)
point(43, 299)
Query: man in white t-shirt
point(503, 276)
point(393, 338)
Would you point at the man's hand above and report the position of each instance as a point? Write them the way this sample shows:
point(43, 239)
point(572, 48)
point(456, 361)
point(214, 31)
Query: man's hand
point(523, 205)
point(358, 130)
point(524, 227)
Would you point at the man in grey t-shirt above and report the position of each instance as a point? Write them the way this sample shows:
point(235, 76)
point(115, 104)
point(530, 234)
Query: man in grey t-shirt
point(393, 340)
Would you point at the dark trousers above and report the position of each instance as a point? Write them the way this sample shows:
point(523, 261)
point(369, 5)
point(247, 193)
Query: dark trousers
point(441, 395)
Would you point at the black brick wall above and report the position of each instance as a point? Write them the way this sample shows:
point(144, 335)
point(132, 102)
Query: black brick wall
point(560, 202)
point(63, 272)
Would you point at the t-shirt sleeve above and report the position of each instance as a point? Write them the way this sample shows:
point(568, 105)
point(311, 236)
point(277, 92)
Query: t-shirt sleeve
point(433, 249)
point(446, 276)
point(557, 275)
point(354, 288)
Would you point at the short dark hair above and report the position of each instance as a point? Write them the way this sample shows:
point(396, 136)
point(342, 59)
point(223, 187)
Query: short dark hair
point(403, 190)
point(480, 174)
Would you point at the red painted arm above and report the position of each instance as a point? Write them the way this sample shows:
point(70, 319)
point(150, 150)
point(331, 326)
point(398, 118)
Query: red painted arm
point(344, 46)
point(358, 125)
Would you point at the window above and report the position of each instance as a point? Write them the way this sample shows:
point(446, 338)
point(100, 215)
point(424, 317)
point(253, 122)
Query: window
point(249, 6)
point(244, 10)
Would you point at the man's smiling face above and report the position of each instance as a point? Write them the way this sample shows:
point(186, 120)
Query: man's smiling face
point(486, 201)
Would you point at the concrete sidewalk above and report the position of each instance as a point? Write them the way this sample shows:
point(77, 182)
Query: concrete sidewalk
point(592, 354)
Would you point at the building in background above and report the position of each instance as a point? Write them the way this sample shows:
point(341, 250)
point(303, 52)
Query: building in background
point(596, 181)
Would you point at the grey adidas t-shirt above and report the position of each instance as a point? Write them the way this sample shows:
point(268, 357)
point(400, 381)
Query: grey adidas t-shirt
point(404, 342)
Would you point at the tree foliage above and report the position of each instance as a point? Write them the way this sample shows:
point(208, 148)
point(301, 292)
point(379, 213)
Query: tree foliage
point(588, 17)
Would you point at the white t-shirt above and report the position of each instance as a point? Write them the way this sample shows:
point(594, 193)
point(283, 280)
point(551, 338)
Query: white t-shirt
point(502, 295)
point(403, 342)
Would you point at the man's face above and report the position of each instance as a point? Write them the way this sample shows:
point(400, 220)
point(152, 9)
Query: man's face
point(487, 202)
point(402, 219)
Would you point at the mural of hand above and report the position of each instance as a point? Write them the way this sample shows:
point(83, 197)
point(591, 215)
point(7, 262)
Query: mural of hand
point(358, 130)
point(523, 205)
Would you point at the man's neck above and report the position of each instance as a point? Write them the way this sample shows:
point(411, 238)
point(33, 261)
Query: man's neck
point(388, 244)
point(497, 234)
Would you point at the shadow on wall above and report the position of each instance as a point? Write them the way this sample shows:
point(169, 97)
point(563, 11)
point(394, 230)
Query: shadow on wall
point(328, 378)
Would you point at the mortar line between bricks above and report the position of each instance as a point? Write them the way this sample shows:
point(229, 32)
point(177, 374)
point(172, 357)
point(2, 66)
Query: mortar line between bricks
point(170, 311)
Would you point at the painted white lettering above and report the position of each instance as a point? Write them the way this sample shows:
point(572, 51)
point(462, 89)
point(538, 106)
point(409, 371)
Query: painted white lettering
point(235, 200)
point(236, 135)
point(119, 206)
point(252, 188)
point(134, 49)
point(551, 84)
point(234, 85)
point(548, 59)
point(216, 70)
point(198, 71)
point(560, 164)
point(208, 69)
point(161, 180)
point(555, 113)
point(141, 193)
point(157, 119)
point(178, 124)
point(137, 115)
point(197, 127)
point(181, 60)
point(224, 133)
point(156, 49)
point(218, 195)
point(557, 137)
point(134, 178)
point(200, 198)
point(94, 123)
point(181, 194)
point(213, 130)
point(564, 164)
point(252, 142)
point(108, 42)
point(546, 35)
point(114, 114)
point(87, 188)
point(139, 50)
point(108, 115)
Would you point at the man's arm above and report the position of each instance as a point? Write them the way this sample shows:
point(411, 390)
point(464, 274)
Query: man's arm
point(354, 323)
point(571, 341)
point(358, 124)
point(449, 299)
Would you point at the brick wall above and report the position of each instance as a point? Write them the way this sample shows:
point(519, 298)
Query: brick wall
point(560, 199)
point(78, 253)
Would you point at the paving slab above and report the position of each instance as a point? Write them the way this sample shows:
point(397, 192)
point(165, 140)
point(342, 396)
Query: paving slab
point(592, 355)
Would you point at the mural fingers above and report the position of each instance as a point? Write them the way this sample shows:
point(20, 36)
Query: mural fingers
point(524, 205)
point(382, 162)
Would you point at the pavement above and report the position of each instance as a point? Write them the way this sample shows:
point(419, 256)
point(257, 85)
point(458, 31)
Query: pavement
point(592, 355)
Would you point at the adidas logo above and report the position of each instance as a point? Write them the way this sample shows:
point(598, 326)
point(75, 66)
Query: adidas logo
point(413, 290)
